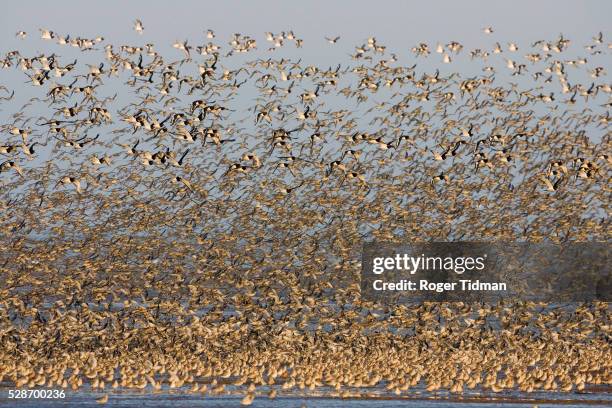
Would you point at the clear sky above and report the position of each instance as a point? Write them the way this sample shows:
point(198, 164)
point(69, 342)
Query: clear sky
point(398, 24)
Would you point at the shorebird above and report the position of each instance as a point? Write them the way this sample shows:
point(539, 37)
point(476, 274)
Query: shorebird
point(212, 245)
point(138, 27)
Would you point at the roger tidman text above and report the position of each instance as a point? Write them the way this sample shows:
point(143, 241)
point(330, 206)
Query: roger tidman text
point(411, 264)
point(425, 285)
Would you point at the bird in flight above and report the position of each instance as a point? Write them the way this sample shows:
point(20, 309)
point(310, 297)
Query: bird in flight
point(138, 27)
point(191, 218)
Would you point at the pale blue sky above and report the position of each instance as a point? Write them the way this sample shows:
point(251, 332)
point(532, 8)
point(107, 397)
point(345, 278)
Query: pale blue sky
point(399, 24)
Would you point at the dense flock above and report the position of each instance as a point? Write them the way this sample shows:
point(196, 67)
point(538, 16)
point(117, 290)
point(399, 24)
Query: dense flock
point(192, 219)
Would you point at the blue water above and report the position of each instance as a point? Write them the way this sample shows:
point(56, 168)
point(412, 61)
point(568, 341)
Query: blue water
point(186, 400)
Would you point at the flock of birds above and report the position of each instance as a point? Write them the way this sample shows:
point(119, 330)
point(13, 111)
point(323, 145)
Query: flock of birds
point(194, 220)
